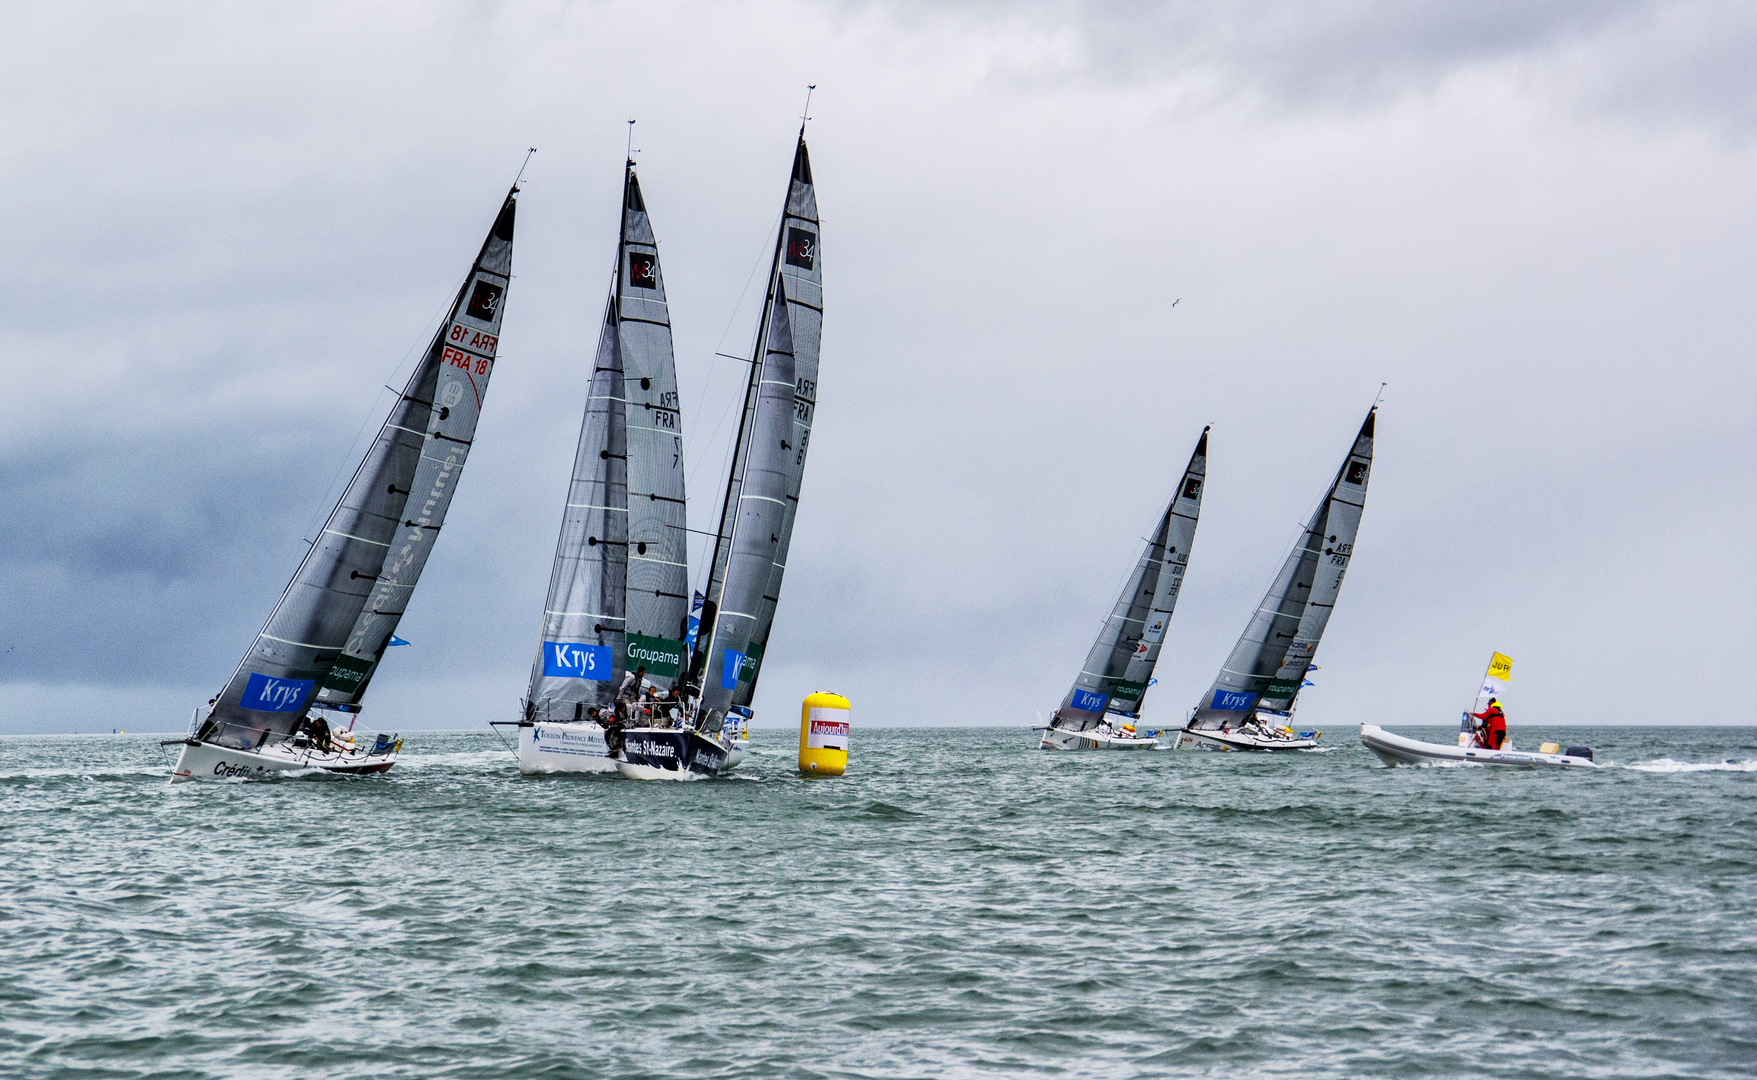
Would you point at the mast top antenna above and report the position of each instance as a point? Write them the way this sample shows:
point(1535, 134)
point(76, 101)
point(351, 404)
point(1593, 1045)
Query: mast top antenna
point(806, 113)
point(631, 149)
point(521, 175)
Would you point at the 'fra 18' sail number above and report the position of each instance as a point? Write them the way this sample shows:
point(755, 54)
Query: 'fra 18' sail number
point(473, 339)
point(464, 360)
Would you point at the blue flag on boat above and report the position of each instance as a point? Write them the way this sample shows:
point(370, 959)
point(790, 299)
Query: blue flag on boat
point(394, 640)
point(695, 623)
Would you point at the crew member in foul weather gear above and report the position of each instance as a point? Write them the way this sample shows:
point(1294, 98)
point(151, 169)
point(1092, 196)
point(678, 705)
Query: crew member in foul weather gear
point(316, 728)
point(613, 727)
point(1492, 732)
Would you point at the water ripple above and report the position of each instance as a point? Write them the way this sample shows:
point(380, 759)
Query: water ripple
point(961, 905)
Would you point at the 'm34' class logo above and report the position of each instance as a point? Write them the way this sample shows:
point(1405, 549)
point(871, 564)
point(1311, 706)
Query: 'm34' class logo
point(571, 660)
point(801, 248)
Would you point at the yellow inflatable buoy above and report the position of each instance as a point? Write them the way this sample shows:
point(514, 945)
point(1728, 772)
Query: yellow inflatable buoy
point(824, 720)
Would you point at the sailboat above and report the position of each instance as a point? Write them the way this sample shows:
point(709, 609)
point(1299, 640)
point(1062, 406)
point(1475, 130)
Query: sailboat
point(619, 589)
point(757, 511)
point(294, 700)
point(1250, 706)
point(1114, 680)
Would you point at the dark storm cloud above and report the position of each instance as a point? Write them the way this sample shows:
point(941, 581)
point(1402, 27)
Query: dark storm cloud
point(1298, 51)
point(1629, 56)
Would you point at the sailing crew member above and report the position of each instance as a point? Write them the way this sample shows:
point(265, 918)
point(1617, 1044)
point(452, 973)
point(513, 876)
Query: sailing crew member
point(1492, 732)
point(613, 727)
point(317, 729)
point(631, 684)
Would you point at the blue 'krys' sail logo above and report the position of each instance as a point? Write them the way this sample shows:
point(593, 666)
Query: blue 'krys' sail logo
point(265, 694)
point(570, 660)
point(1232, 701)
point(1087, 701)
point(484, 302)
point(801, 248)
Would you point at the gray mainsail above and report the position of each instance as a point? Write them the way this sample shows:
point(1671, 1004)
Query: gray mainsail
point(658, 553)
point(801, 289)
point(579, 655)
point(1120, 665)
point(315, 621)
point(756, 530)
point(1268, 665)
point(795, 292)
point(465, 362)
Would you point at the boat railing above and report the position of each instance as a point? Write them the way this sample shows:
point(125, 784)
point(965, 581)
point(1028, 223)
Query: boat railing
point(641, 714)
point(249, 737)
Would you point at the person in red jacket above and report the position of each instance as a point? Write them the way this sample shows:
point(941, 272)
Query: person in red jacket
point(1492, 733)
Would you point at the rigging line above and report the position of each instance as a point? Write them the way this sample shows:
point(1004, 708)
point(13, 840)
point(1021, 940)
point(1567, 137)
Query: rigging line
point(421, 342)
point(691, 438)
point(1133, 567)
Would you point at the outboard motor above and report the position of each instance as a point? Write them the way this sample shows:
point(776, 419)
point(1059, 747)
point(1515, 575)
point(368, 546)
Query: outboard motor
point(1580, 752)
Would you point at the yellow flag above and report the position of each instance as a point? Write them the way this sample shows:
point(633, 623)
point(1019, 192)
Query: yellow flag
point(1501, 667)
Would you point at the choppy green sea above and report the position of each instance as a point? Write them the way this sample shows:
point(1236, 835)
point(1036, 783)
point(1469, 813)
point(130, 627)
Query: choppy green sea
point(961, 904)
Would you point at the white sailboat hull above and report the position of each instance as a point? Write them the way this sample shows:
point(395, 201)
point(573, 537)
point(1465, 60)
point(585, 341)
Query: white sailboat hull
point(563, 748)
point(1396, 750)
point(1058, 738)
point(1236, 740)
point(206, 761)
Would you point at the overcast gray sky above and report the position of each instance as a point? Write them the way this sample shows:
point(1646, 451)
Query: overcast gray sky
point(226, 227)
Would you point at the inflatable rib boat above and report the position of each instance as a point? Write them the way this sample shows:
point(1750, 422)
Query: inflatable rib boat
point(1397, 750)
